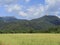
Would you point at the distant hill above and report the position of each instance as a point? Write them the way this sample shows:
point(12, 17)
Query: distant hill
point(43, 24)
point(7, 19)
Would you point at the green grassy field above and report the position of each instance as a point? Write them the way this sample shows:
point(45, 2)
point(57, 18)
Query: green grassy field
point(29, 39)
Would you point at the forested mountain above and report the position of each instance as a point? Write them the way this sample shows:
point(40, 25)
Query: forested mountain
point(45, 24)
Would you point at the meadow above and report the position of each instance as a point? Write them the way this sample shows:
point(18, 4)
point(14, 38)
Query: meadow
point(29, 39)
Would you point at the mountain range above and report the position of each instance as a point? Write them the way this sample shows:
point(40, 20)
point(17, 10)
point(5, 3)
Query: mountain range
point(45, 24)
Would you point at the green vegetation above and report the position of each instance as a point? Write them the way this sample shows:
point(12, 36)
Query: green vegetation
point(45, 24)
point(29, 39)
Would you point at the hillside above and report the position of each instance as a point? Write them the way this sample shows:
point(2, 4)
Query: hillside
point(46, 24)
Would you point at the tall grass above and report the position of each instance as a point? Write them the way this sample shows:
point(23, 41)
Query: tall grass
point(29, 39)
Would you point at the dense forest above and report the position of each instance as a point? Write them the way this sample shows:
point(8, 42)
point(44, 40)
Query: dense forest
point(45, 24)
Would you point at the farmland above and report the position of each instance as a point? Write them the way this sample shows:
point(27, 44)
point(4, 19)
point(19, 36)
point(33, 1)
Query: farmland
point(29, 39)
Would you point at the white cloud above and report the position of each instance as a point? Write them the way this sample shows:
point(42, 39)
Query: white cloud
point(27, 1)
point(14, 7)
point(22, 13)
point(3, 2)
point(17, 7)
point(9, 10)
point(30, 12)
point(36, 10)
point(52, 7)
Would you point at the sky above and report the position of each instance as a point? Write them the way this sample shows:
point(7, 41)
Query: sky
point(29, 9)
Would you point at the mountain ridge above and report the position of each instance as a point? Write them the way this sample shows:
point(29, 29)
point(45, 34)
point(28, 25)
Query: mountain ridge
point(42, 24)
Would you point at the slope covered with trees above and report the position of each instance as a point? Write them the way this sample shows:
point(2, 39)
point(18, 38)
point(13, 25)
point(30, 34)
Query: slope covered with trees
point(45, 24)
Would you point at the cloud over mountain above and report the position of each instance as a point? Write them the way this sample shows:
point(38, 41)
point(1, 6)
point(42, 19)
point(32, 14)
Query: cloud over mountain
point(30, 9)
point(52, 7)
